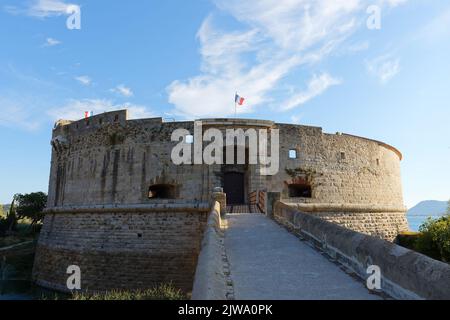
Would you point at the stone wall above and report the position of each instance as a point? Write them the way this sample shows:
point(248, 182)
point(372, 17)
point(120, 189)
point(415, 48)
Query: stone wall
point(385, 222)
point(210, 282)
point(121, 247)
point(342, 169)
point(405, 274)
point(108, 159)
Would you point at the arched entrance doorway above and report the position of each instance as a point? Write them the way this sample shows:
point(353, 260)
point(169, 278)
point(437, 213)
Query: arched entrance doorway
point(234, 187)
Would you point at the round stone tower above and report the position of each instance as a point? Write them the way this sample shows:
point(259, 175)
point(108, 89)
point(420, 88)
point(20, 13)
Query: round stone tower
point(128, 216)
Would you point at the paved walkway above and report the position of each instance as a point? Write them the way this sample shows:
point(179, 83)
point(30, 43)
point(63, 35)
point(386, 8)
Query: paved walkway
point(269, 263)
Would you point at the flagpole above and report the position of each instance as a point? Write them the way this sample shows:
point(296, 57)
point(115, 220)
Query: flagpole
point(235, 106)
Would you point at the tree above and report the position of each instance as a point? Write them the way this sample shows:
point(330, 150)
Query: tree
point(31, 206)
point(435, 238)
point(11, 218)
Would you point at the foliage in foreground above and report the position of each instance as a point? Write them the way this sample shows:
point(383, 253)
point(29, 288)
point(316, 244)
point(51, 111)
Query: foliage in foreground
point(433, 239)
point(161, 292)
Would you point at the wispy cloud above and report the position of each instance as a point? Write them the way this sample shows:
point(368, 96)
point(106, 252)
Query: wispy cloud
point(74, 109)
point(84, 80)
point(43, 8)
point(49, 8)
point(316, 86)
point(14, 114)
point(50, 42)
point(358, 47)
point(123, 90)
point(384, 67)
point(276, 39)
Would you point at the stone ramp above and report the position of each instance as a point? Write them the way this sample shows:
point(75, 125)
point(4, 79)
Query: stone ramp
point(269, 263)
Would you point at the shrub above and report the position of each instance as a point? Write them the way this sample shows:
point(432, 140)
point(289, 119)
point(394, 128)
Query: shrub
point(408, 239)
point(435, 238)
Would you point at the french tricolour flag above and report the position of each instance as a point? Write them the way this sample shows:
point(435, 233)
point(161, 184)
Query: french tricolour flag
point(239, 100)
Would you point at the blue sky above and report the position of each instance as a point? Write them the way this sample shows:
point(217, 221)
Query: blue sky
point(303, 61)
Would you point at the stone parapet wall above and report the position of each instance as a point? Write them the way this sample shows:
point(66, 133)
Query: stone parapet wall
point(385, 222)
point(121, 248)
point(405, 274)
point(210, 281)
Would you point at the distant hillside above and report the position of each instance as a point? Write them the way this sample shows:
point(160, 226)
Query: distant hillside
point(428, 208)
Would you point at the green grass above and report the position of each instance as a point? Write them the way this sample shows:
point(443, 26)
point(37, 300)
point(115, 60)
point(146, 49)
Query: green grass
point(161, 292)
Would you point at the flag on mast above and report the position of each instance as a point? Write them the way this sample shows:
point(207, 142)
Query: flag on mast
point(239, 100)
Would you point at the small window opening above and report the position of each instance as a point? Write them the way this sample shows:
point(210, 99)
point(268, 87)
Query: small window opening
point(189, 139)
point(300, 191)
point(116, 118)
point(342, 155)
point(161, 191)
point(378, 162)
point(100, 121)
point(292, 154)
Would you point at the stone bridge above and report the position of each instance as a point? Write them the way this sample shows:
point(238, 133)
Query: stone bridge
point(291, 255)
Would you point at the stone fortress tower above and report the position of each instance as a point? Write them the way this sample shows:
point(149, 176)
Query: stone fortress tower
point(122, 211)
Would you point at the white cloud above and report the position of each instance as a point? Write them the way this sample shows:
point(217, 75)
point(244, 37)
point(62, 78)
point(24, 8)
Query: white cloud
point(49, 8)
point(384, 67)
point(358, 47)
point(395, 3)
point(15, 115)
point(84, 80)
point(50, 42)
point(74, 109)
point(43, 8)
point(277, 38)
point(316, 86)
point(123, 90)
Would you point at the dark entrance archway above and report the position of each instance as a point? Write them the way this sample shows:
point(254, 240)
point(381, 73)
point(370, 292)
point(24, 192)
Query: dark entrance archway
point(234, 187)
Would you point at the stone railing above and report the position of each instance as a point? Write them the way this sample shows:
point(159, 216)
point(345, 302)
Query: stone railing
point(382, 221)
point(211, 277)
point(405, 274)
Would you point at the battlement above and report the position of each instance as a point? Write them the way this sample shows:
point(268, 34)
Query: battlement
point(64, 128)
